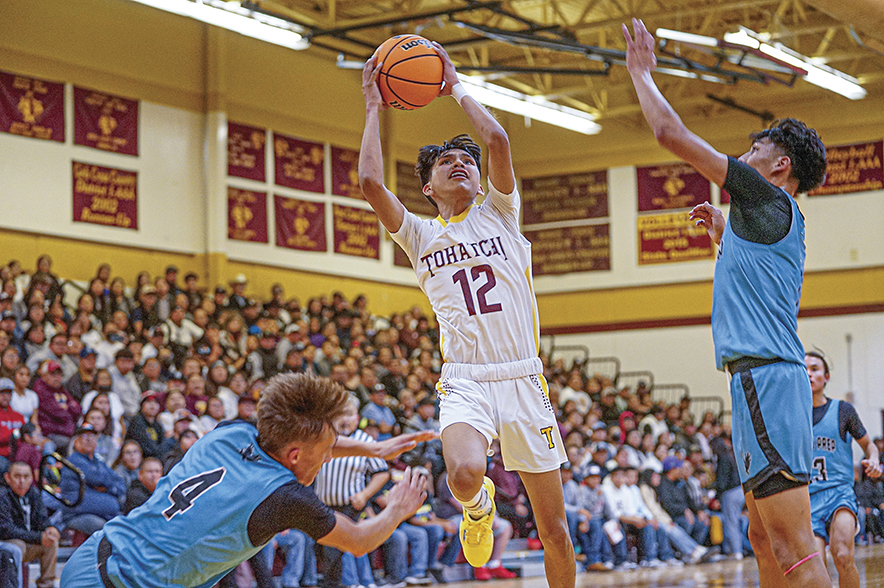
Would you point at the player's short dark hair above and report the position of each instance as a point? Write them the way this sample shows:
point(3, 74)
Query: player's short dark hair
point(803, 146)
point(820, 357)
point(297, 407)
point(429, 154)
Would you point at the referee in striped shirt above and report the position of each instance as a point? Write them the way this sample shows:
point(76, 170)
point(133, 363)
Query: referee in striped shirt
point(347, 483)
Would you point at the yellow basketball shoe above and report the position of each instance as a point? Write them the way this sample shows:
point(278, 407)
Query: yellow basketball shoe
point(476, 536)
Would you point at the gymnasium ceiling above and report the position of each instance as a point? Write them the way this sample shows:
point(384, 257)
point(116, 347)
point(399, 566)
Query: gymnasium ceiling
point(571, 51)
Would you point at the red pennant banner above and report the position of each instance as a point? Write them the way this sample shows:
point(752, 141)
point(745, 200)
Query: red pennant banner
point(31, 108)
point(345, 173)
point(245, 151)
point(105, 122)
point(105, 196)
point(300, 224)
point(356, 231)
point(675, 185)
point(299, 164)
point(246, 215)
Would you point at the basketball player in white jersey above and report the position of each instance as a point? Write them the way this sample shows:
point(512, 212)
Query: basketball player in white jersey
point(474, 265)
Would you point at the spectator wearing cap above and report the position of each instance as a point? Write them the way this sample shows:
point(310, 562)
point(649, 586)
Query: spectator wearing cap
point(24, 526)
point(237, 300)
point(81, 382)
point(10, 421)
point(124, 383)
point(595, 509)
point(191, 290)
point(58, 412)
point(104, 488)
point(24, 400)
point(145, 315)
point(149, 473)
point(378, 411)
point(145, 429)
point(8, 323)
point(56, 351)
point(674, 496)
point(262, 363)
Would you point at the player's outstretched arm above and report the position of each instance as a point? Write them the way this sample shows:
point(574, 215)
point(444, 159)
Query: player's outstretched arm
point(389, 449)
point(500, 164)
point(371, 161)
point(367, 535)
point(666, 124)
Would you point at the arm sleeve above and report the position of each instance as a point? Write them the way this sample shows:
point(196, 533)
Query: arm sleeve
point(506, 205)
point(760, 212)
point(848, 422)
point(409, 236)
point(291, 506)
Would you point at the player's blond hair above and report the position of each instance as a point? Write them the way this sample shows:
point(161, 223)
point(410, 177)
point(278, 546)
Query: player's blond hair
point(297, 407)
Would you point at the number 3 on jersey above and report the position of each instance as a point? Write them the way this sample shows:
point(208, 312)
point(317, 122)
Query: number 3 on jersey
point(819, 463)
point(461, 278)
point(186, 492)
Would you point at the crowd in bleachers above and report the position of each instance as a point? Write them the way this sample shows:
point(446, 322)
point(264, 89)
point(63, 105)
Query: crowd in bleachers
point(124, 380)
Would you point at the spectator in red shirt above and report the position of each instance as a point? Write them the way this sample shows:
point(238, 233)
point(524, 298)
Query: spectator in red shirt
point(10, 421)
point(58, 411)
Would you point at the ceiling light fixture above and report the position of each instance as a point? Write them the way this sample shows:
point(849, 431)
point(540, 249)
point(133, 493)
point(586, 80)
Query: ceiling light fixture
point(810, 69)
point(233, 17)
point(531, 107)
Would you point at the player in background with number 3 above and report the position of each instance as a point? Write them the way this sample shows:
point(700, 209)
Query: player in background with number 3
point(474, 265)
point(832, 499)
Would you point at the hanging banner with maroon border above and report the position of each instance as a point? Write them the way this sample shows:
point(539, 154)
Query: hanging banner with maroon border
point(345, 173)
point(852, 168)
point(246, 215)
point(356, 231)
point(299, 164)
point(570, 249)
point(569, 197)
point(671, 237)
point(105, 196)
point(245, 151)
point(410, 192)
point(300, 224)
point(675, 185)
point(31, 108)
point(106, 122)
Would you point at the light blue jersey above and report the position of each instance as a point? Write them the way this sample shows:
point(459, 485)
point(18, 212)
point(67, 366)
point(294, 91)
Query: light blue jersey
point(191, 531)
point(832, 454)
point(755, 296)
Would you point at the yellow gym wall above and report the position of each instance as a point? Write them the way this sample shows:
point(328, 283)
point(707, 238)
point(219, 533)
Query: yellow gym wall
point(131, 50)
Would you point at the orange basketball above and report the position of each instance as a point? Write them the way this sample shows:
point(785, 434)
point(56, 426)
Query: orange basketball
point(412, 72)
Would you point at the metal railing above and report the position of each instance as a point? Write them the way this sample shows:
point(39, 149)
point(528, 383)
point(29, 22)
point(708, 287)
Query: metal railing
point(632, 379)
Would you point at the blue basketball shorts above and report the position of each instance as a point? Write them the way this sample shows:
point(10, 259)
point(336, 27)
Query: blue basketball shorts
point(825, 503)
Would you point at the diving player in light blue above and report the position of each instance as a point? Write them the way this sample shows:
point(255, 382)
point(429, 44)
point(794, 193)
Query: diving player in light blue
point(832, 499)
point(235, 489)
point(755, 297)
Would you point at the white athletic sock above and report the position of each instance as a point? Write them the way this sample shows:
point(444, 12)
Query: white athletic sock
point(478, 506)
point(494, 563)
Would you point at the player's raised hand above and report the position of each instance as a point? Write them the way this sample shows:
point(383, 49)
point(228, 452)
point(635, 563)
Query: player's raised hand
point(370, 90)
point(449, 74)
point(408, 494)
point(640, 56)
point(873, 469)
point(710, 218)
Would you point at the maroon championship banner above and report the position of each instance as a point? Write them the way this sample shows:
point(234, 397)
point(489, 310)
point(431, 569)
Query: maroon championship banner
point(106, 122)
point(570, 249)
point(105, 196)
point(299, 164)
point(410, 192)
point(246, 215)
point(356, 231)
point(245, 151)
point(852, 168)
point(400, 258)
point(671, 237)
point(345, 173)
point(676, 185)
point(724, 198)
point(300, 224)
point(31, 108)
point(569, 197)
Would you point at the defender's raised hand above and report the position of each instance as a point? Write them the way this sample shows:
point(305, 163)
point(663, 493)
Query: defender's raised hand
point(640, 56)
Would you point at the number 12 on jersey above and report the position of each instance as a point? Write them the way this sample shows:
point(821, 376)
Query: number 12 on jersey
point(476, 272)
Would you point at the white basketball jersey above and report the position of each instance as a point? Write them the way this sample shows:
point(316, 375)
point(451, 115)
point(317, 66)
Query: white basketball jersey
point(476, 270)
